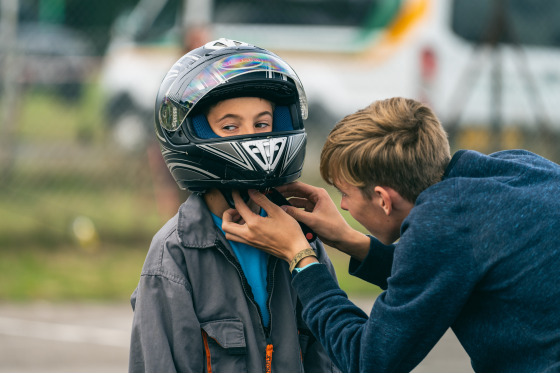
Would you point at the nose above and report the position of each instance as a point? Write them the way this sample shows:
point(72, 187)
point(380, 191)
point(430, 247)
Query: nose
point(343, 205)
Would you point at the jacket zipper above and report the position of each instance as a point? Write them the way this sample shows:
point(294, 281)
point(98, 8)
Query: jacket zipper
point(249, 294)
point(272, 261)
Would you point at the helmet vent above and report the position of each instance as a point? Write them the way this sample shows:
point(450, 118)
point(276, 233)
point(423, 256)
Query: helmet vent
point(266, 152)
point(224, 43)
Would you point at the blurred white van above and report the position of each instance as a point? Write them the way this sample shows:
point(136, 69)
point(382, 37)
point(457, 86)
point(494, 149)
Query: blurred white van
point(479, 63)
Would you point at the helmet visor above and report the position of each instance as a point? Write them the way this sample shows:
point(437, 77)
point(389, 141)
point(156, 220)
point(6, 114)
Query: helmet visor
point(223, 70)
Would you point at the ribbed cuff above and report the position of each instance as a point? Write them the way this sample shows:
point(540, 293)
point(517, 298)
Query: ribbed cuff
point(313, 281)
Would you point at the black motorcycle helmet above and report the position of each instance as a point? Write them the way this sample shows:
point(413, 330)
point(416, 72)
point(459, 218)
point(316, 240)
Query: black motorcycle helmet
point(222, 69)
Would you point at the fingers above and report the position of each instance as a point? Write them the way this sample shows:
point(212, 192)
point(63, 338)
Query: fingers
point(298, 215)
point(232, 215)
point(302, 203)
point(304, 191)
point(262, 201)
point(230, 224)
point(240, 205)
point(297, 189)
point(236, 238)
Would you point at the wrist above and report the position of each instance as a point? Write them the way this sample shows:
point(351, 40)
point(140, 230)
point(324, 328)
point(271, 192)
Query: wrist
point(354, 244)
point(294, 248)
point(302, 258)
point(306, 261)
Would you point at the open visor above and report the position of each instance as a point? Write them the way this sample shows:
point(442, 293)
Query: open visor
point(218, 73)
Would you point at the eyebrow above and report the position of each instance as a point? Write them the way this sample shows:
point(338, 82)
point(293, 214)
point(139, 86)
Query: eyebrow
point(338, 188)
point(235, 116)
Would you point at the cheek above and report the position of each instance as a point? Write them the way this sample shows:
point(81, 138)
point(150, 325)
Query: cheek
point(367, 218)
point(359, 214)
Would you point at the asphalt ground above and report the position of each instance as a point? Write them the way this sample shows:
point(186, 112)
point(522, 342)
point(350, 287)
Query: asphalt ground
point(86, 338)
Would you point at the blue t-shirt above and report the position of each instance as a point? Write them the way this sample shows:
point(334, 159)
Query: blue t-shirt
point(254, 265)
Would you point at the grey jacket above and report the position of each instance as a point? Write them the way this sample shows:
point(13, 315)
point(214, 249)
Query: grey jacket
point(194, 310)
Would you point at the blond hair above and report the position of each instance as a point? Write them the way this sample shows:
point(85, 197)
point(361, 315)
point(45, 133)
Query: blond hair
point(397, 143)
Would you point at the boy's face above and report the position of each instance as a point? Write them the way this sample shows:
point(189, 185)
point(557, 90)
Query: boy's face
point(369, 212)
point(241, 116)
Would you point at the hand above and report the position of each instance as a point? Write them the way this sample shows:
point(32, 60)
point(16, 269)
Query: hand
point(277, 234)
point(319, 211)
point(322, 216)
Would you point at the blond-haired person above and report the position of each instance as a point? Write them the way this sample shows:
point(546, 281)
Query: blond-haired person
point(478, 247)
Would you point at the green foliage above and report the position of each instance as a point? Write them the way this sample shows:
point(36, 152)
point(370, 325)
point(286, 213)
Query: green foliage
point(46, 118)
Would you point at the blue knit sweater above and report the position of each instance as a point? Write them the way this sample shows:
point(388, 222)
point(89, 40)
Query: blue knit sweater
point(479, 253)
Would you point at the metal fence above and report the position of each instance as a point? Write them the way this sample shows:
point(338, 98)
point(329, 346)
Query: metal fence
point(78, 160)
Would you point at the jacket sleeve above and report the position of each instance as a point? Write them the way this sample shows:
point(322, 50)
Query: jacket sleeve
point(166, 335)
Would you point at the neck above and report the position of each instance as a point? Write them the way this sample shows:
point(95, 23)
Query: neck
point(216, 202)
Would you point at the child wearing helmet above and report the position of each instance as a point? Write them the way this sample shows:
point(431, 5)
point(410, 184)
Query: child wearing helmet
point(229, 116)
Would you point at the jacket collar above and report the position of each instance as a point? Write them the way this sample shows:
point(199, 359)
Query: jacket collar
point(196, 229)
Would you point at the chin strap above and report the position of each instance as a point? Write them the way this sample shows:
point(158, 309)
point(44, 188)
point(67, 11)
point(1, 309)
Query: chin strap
point(227, 192)
point(276, 197)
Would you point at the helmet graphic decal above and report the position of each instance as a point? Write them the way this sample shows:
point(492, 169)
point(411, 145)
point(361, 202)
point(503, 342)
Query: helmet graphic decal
point(173, 164)
point(229, 152)
point(294, 145)
point(266, 152)
point(178, 165)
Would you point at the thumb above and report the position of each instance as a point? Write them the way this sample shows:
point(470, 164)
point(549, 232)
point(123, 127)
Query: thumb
point(262, 201)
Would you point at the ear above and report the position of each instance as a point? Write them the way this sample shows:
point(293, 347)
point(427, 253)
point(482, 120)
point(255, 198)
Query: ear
point(385, 200)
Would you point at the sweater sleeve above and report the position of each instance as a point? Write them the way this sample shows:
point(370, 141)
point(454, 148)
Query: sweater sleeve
point(166, 335)
point(314, 355)
point(376, 267)
point(431, 280)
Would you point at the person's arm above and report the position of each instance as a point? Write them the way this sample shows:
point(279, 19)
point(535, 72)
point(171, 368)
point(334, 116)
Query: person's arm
point(433, 277)
point(314, 355)
point(166, 335)
point(376, 267)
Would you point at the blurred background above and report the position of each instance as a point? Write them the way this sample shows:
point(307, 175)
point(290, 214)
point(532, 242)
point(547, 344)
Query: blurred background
point(83, 187)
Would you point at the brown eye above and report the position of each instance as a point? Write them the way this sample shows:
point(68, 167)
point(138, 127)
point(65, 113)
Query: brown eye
point(229, 128)
point(261, 125)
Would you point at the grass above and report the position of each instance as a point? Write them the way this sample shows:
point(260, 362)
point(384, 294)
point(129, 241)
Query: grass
point(70, 273)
